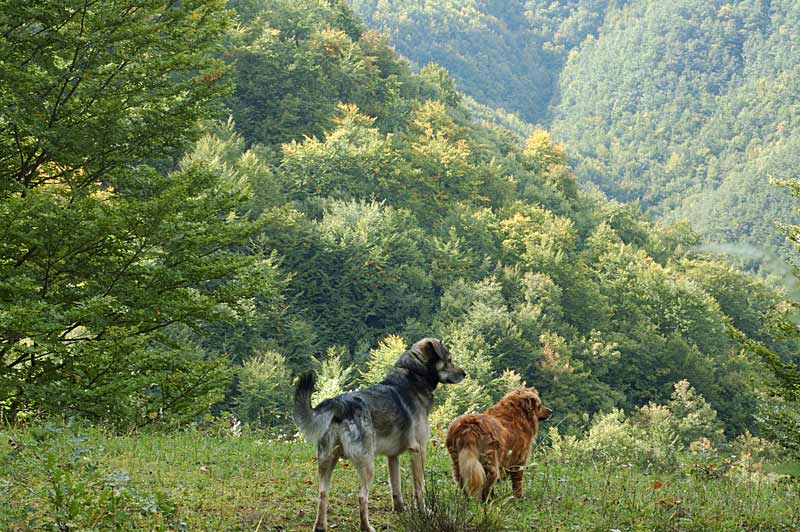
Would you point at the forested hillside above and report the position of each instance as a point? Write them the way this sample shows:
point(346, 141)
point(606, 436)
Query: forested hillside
point(688, 107)
point(395, 216)
point(506, 54)
point(347, 208)
point(702, 121)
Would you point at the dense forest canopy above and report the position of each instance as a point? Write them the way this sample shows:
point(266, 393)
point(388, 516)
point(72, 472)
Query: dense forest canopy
point(688, 107)
point(506, 54)
point(212, 199)
point(715, 88)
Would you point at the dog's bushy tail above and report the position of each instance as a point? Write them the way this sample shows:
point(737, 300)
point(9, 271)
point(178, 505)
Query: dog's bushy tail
point(311, 421)
point(471, 471)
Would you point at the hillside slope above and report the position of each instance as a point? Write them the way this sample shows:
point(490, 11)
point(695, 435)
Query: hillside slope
point(689, 107)
point(506, 54)
point(348, 207)
point(396, 216)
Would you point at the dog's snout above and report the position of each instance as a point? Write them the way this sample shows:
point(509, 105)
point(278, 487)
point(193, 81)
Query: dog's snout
point(456, 375)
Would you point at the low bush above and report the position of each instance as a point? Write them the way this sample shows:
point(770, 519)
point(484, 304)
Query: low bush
point(265, 391)
point(655, 436)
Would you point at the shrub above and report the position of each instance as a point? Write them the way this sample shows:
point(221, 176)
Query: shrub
point(332, 378)
point(647, 440)
point(382, 358)
point(660, 441)
point(611, 439)
point(693, 417)
point(653, 436)
point(751, 454)
point(265, 388)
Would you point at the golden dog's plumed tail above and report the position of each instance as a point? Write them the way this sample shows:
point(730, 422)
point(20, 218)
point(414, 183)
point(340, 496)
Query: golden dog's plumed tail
point(471, 471)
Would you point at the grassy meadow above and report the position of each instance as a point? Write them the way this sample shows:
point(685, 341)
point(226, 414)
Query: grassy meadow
point(56, 478)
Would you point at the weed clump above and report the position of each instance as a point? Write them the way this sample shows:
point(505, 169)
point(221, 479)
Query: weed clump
point(447, 509)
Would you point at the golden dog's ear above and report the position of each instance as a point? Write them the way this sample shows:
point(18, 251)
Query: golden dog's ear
point(531, 404)
point(534, 404)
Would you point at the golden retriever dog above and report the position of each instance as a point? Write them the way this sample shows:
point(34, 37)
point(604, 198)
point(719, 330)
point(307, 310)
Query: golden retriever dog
point(484, 447)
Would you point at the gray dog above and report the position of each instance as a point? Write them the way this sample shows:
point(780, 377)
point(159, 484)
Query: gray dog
point(388, 418)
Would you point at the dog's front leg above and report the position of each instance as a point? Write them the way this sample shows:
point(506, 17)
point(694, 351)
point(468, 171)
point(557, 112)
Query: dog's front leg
point(394, 481)
point(516, 481)
point(418, 473)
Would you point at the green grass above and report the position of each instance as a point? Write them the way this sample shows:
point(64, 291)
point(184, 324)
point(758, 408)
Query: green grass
point(252, 482)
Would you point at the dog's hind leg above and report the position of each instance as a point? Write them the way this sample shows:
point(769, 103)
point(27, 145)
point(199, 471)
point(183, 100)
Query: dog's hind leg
point(418, 473)
point(366, 471)
point(455, 468)
point(325, 467)
point(492, 474)
point(394, 481)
